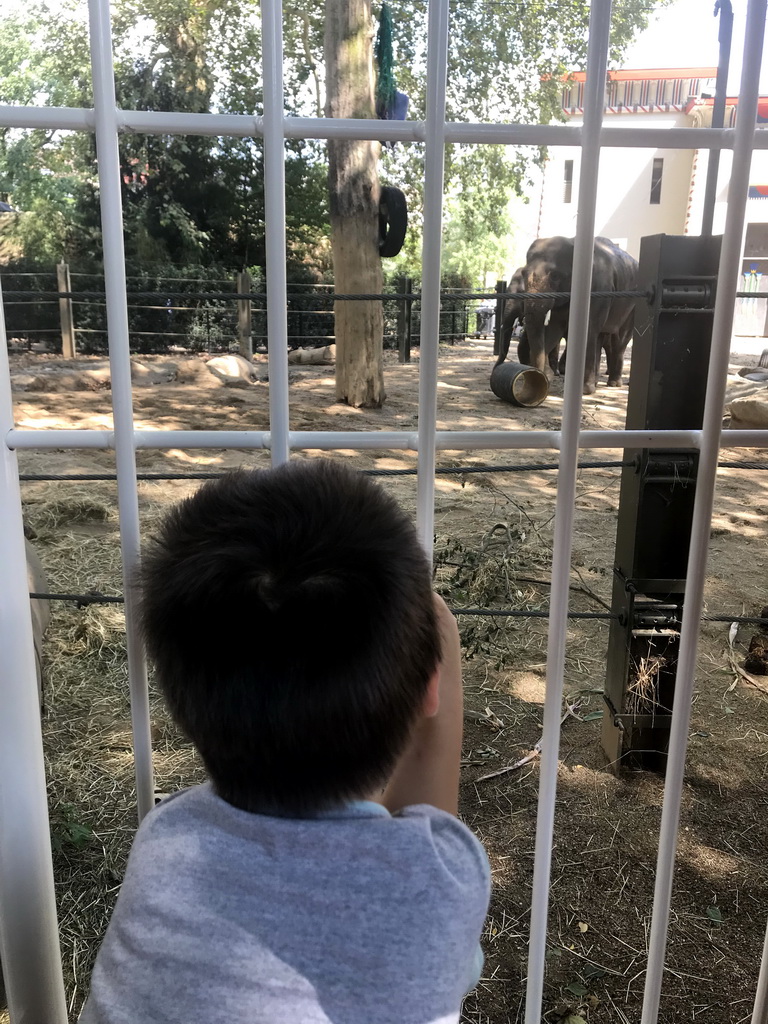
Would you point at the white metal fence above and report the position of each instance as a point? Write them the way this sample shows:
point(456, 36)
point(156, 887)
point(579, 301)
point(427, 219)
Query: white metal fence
point(28, 931)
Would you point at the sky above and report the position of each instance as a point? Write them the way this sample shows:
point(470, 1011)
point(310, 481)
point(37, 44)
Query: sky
point(685, 35)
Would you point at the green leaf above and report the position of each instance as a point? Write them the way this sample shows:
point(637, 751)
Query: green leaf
point(576, 989)
point(79, 834)
point(713, 913)
point(593, 971)
point(593, 716)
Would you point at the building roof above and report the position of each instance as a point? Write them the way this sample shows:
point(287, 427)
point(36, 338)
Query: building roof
point(647, 74)
point(730, 101)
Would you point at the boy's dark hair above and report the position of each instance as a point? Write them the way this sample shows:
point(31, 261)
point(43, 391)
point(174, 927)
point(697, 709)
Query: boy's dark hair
point(290, 616)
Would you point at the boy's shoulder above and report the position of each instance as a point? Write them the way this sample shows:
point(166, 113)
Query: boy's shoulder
point(197, 825)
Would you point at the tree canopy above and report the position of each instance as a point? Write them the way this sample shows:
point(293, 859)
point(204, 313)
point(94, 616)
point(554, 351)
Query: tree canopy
point(198, 199)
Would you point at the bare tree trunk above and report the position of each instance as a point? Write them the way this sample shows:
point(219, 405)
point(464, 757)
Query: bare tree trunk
point(354, 204)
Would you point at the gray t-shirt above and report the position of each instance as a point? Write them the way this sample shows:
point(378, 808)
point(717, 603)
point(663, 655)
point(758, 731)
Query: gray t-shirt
point(353, 917)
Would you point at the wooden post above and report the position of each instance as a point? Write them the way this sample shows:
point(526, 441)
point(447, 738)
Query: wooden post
point(405, 287)
point(501, 287)
point(65, 312)
point(244, 336)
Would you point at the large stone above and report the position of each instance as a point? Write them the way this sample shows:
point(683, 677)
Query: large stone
point(145, 375)
point(313, 356)
point(750, 413)
point(194, 370)
point(234, 371)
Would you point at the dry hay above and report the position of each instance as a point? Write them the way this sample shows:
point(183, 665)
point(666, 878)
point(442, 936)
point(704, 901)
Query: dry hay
point(605, 827)
point(643, 688)
point(86, 721)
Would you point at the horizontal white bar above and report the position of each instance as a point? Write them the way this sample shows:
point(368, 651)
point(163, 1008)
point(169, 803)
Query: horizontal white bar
point(157, 122)
point(153, 122)
point(570, 135)
point(382, 440)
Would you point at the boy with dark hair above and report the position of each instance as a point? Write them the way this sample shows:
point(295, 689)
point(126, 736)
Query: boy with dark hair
point(321, 877)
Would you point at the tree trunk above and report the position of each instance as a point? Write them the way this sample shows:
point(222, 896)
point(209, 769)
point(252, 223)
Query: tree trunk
point(354, 204)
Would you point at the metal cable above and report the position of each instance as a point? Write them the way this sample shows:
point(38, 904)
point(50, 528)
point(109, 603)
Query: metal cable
point(334, 296)
point(444, 470)
point(96, 597)
point(535, 467)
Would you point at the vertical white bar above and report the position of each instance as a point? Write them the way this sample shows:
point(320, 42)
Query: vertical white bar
point(274, 220)
point(760, 1011)
point(727, 286)
point(597, 60)
point(120, 370)
point(29, 935)
point(434, 167)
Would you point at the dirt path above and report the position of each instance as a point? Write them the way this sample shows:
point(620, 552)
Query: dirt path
point(493, 537)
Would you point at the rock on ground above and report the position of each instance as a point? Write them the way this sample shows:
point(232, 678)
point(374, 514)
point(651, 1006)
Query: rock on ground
point(234, 371)
point(750, 413)
point(313, 356)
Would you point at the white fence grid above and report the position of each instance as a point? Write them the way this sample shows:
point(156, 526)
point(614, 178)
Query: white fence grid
point(28, 927)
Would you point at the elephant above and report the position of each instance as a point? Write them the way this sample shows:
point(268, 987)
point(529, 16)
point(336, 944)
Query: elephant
point(548, 268)
point(513, 313)
point(514, 310)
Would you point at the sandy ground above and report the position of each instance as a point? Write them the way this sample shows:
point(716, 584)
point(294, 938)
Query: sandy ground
point(493, 539)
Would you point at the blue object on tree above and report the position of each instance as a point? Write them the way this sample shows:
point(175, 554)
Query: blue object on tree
point(391, 104)
point(385, 82)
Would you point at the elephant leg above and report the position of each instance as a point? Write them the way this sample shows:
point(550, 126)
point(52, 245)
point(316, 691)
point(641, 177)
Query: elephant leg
point(538, 354)
point(506, 334)
point(615, 354)
point(561, 364)
point(591, 364)
point(552, 335)
point(554, 364)
point(523, 349)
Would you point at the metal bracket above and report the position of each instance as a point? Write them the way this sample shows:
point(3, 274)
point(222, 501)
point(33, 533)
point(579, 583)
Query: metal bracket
point(627, 722)
point(688, 293)
point(669, 468)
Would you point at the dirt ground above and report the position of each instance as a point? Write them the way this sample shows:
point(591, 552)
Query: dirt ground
point(493, 539)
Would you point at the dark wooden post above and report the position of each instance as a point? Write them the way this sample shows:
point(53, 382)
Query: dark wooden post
point(65, 312)
point(244, 335)
point(501, 287)
point(667, 388)
point(405, 286)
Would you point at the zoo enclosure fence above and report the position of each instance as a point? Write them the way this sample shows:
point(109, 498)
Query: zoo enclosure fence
point(28, 932)
point(64, 310)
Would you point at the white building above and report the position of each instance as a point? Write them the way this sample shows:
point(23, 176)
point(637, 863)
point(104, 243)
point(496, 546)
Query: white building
point(652, 191)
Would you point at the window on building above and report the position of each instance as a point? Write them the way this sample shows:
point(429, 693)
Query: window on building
point(656, 172)
point(568, 181)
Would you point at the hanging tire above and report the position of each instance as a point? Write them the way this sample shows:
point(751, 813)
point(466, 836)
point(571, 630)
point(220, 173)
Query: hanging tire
point(393, 221)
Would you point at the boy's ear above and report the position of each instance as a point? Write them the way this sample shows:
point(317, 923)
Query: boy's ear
point(431, 703)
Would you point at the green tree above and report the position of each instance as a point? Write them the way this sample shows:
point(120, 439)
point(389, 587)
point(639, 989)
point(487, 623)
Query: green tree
point(187, 199)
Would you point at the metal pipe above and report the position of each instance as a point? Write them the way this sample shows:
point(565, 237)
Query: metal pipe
point(760, 1011)
point(105, 108)
point(151, 122)
point(578, 326)
point(274, 221)
point(29, 935)
point(434, 166)
point(728, 276)
point(724, 36)
point(383, 440)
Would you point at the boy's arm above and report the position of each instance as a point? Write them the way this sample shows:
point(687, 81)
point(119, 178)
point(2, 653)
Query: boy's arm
point(428, 770)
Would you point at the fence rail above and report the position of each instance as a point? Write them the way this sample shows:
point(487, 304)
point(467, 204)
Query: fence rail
point(223, 319)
